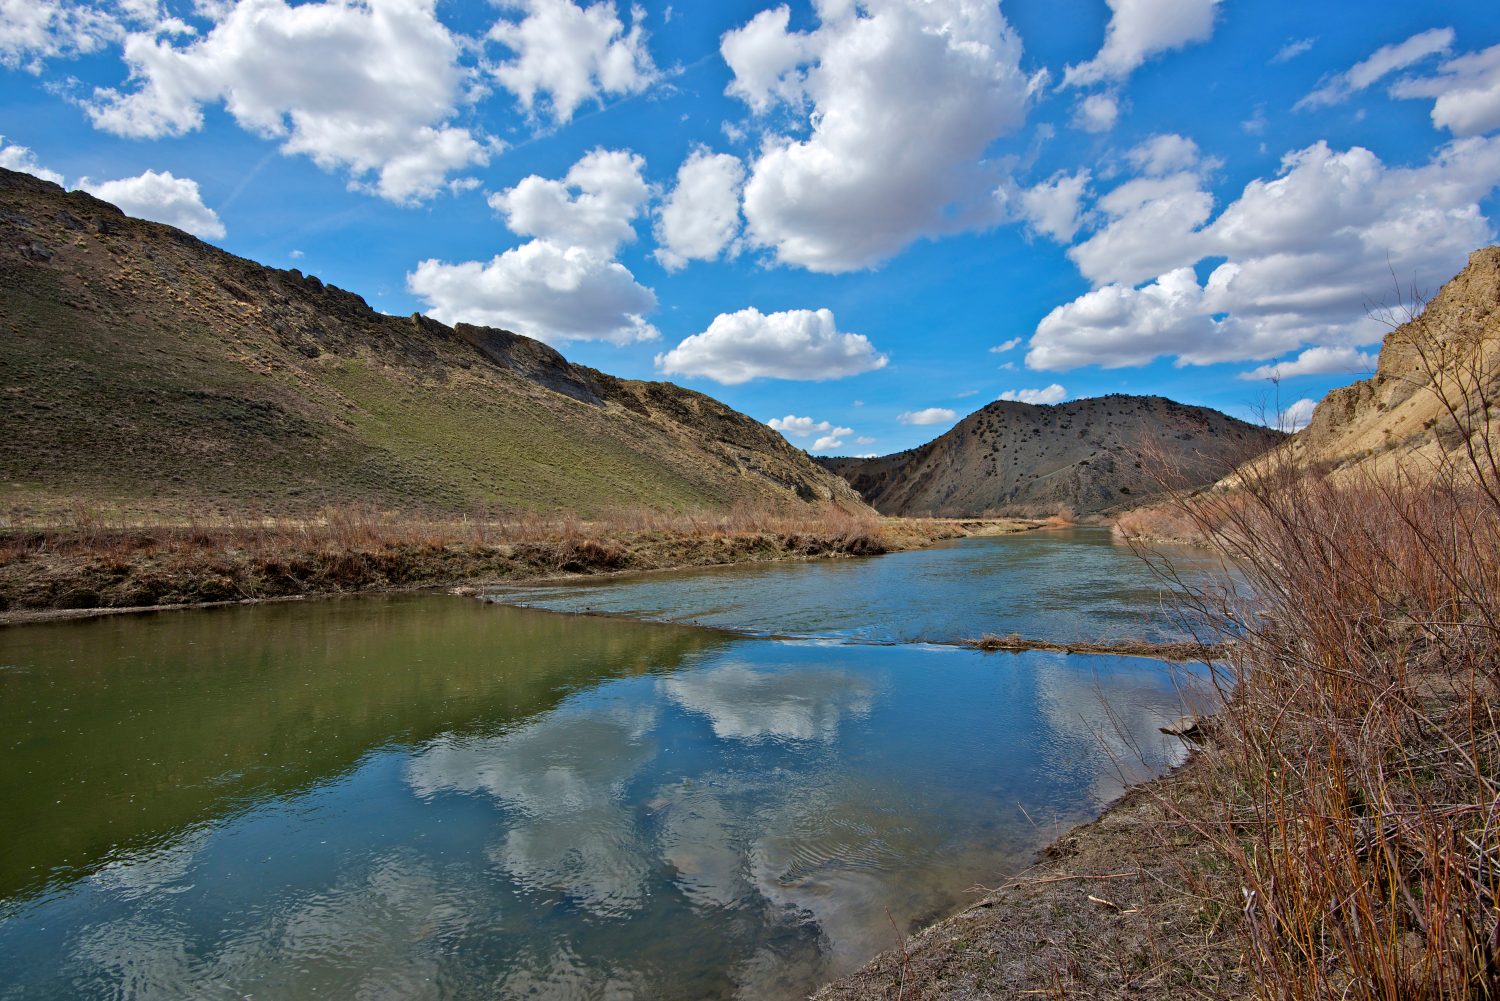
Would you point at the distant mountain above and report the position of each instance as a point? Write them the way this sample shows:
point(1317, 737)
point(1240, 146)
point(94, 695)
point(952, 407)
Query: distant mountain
point(1398, 418)
point(146, 369)
point(1083, 457)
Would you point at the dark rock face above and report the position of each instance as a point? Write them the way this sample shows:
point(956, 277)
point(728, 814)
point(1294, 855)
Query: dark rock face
point(143, 365)
point(1085, 457)
point(530, 359)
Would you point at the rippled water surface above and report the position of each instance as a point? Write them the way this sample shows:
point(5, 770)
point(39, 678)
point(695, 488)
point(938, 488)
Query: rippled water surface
point(432, 797)
point(1064, 584)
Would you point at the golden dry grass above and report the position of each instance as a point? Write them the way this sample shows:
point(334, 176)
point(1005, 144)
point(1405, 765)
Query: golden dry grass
point(1354, 772)
point(87, 560)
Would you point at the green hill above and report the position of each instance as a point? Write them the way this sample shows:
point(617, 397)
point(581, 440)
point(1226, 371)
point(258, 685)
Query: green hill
point(145, 369)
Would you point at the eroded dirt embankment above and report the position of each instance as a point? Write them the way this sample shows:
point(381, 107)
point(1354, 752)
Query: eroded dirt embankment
point(70, 574)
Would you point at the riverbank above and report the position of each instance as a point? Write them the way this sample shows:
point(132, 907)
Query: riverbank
point(1337, 833)
point(1113, 909)
point(83, 569)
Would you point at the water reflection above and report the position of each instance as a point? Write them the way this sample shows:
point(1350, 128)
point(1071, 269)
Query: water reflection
point(563, 781)
point(118, 731)
point(523, 804)
point(743, 703)
point(1124, 730)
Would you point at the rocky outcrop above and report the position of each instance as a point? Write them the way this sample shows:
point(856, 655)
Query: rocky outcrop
point(147, 369)
point(1441, 364)
point(1084, 457)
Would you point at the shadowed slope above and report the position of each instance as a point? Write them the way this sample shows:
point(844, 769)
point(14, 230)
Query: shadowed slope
point(146, 369)
point(1082, 457)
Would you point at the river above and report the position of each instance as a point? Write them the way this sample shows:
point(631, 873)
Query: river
point(722, 783)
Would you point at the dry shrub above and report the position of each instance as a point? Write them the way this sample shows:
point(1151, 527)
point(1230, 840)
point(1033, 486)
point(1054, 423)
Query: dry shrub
point(83, 528)
point(1356, 769)
point(1166, 522)
point(87, 558)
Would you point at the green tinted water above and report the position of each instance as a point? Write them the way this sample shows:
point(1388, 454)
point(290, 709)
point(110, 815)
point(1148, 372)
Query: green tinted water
point(431, 797)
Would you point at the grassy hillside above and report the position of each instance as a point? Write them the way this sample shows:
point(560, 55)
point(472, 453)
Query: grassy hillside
point(1083, 457)
point(147, 371)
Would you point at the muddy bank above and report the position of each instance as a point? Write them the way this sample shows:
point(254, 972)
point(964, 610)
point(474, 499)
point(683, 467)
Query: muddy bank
point(46, 576)
point(1180, 652)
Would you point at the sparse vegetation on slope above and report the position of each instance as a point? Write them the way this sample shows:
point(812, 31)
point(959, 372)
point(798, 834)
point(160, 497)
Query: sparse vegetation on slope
point(148, 372)
point(1079, 458)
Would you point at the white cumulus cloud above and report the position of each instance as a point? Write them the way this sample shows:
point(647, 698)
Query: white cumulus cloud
point(1055, 206)
point(899, 101)
point(368, 87)
point(593, 207)
point(1304, 253)
point(564, 284)
point(1166, 154)
point(830, 437)
point(796, 344)
point(1140, 29)
point(1116, 326)
point(160, 197)
point(1097, 112)
point(765, 58)
point(1386, 60)
point(571, 54)
point(1316, 361)
point(1152, 226)
point(33, 31)
point(801, 427)
point(1466, 92)
point(1052, 394)
point(927, 417)
point(701, 218)
point(1297, 416)
point(552, 293)
point(13, 157)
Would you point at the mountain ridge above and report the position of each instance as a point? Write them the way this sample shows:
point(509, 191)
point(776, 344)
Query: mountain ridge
point(148, 368)
point(1083, 457)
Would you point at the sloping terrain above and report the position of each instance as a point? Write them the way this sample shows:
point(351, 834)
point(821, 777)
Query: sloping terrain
point(1083, 457)
point(1436, 375)
point(145, 369)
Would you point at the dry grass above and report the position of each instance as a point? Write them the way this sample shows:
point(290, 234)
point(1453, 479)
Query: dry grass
point(88, 561)
point(1354, 778)
point(1355, 771)
point(1162, 522)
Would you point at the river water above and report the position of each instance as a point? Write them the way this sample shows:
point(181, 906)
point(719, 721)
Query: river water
point(435, 797)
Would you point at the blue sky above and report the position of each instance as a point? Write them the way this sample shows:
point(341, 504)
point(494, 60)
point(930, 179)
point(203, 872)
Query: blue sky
point(868, 216)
